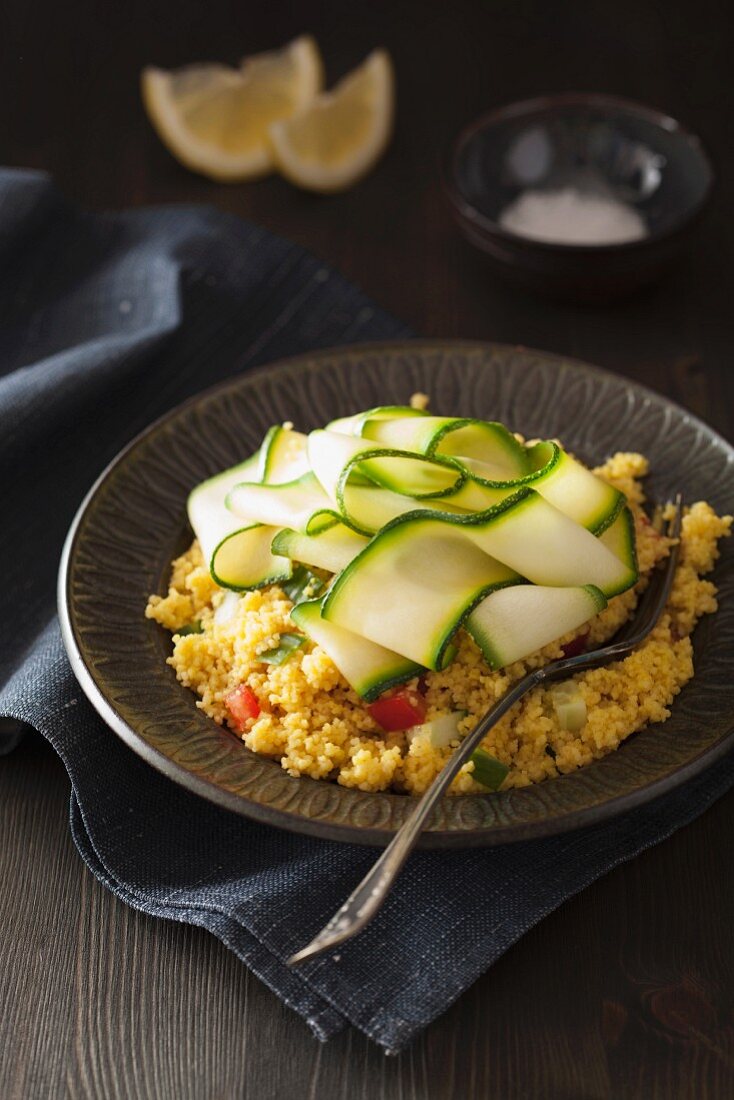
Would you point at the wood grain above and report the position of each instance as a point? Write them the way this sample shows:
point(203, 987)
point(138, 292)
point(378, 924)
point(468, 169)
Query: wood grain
point(627, 991)
point(624, 992)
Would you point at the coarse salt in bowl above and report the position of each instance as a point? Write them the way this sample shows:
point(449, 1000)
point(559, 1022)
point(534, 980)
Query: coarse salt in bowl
point(582, 196)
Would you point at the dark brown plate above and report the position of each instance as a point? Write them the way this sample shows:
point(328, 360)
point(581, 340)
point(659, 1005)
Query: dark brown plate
point(133, 522)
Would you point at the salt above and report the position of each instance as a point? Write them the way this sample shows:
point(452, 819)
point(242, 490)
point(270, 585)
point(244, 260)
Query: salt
point(571, 216)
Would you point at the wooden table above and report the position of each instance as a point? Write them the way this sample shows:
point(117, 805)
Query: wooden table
point(627, 990)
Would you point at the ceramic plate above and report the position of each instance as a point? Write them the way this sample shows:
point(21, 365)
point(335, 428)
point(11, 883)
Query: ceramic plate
point(133, 522)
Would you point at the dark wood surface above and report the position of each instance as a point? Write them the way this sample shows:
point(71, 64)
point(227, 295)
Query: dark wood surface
point(626, 991)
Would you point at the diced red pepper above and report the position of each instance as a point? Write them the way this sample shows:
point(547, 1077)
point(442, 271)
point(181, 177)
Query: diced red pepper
point(646, 522)
point(399, 711)
point(242, 704)
point(576, 646)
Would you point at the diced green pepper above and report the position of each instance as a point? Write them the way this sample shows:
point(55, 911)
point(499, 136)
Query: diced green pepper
point(285, 649)
point(488, 770)
point(191, 628)
point(303, 585)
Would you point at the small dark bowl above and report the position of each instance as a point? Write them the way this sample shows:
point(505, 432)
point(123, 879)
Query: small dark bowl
point(641, 156)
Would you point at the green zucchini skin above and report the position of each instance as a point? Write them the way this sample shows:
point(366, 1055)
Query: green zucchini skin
point(239, 554)
point(412, 586)
point(509, 625)
point(301, 504)
point(282, 456)
point(427, 524)
point(244, 561)
point(441, 566)
point(347, 470)
point(619, 537)
point(369, 668)
point(214, 490)
point(563, 482)
point(220, 533)
point(354, 425)
point(331, 549)
point(486, 441)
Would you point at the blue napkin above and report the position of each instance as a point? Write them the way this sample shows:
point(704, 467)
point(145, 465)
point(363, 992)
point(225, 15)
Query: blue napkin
point(106, 321)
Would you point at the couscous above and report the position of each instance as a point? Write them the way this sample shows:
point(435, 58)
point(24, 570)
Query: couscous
point(303, 713)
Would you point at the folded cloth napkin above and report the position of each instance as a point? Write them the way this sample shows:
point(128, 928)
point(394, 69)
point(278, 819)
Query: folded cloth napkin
point(107, 320)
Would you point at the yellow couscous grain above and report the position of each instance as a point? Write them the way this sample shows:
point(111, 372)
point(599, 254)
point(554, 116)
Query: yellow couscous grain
point(314, 724)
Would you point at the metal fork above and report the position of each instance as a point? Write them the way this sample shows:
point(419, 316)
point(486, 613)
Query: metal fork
point(362, 904)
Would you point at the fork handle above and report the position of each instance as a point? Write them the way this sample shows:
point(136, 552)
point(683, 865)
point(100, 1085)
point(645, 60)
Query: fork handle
point(364, 901)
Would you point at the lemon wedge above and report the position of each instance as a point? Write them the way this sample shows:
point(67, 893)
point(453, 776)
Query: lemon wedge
point(215, 119)
point(332, 143)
